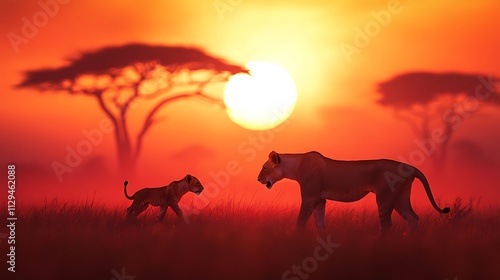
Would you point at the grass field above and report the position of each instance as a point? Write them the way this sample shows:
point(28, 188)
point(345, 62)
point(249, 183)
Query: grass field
point(88, 241)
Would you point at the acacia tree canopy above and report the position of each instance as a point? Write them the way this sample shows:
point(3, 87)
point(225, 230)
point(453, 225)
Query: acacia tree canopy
point(413, 97)
point(108, 60)
point(421, 88)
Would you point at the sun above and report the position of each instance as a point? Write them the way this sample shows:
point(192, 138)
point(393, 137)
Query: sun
point(262, 100)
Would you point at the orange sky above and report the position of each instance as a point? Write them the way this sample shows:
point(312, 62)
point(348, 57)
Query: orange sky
point(336, 112)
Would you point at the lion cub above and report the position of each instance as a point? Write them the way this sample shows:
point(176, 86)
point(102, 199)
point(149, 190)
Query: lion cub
point(163, 196)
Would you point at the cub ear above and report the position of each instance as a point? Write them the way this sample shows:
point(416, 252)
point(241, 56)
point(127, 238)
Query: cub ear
point(188, 178)
point(274, 157)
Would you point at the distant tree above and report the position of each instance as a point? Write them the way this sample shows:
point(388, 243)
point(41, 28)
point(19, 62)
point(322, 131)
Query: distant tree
point(121, 77)
point(427, 101)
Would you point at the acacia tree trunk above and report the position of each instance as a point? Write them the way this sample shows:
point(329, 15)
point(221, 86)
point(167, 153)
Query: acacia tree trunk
point(127, 153)
point(448, 133)
point(126, 161)
point(437, 155)
point(419, 123)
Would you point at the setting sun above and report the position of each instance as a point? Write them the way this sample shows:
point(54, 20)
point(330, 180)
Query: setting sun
point(262, 100)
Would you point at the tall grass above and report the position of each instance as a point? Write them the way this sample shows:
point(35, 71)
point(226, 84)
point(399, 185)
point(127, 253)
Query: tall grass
point(232, 241)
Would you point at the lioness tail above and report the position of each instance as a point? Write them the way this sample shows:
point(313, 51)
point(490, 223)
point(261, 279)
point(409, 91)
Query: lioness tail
point(418, 174)
point(125, 190)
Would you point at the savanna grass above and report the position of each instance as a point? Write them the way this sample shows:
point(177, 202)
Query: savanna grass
point(233, 241)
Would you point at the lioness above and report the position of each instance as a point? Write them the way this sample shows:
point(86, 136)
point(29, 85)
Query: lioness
point(163, 196)
point(321, 178)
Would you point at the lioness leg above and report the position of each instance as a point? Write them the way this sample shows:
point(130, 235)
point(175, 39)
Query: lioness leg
point(319, 214)
point(385, 204)
point(306, 209)
point(404, 209)
point(135, 209)
point(162, 212)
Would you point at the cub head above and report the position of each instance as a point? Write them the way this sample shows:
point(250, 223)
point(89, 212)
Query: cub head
point(193, 184)
point(271, 170)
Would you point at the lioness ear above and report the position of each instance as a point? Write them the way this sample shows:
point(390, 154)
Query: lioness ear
point(274, 157)
point(188, 178)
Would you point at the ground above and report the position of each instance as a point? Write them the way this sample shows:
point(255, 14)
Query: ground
point(71, 241)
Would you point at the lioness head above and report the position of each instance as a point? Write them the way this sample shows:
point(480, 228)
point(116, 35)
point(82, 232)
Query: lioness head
point(194, 184)
point(271, 170)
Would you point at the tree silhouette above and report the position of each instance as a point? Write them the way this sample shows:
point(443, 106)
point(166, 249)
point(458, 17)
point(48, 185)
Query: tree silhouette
point(427, 101)
point(122, 77)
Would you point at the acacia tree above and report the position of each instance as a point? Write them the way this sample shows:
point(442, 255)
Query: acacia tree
point(120, 78)
point(426, 101)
